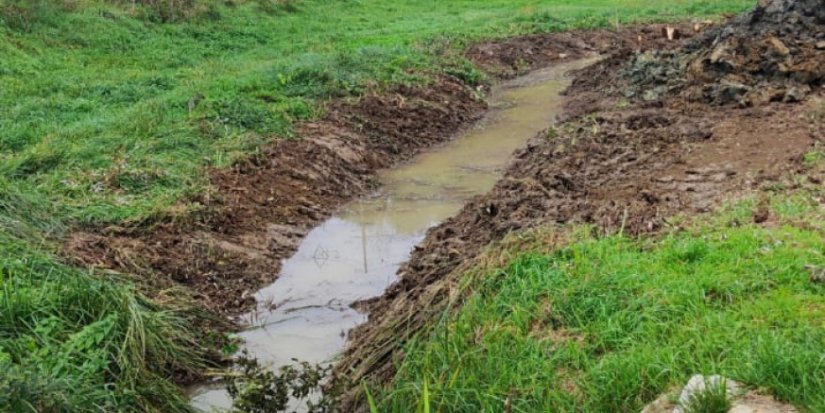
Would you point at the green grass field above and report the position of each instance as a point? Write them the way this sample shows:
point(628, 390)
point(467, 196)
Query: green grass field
point(110, 114)
point(96, 113)
point(609, 324)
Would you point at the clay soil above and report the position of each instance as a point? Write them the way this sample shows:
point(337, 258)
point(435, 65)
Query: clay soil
point(657, 129)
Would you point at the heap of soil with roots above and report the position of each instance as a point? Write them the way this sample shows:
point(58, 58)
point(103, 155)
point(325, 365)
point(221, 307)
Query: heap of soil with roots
point(774, 53)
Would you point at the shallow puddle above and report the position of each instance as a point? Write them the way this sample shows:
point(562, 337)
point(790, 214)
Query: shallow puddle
point(306, 313)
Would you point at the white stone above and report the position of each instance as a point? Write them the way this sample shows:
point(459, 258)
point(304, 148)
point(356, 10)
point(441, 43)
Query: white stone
point(741, 408)
point(699, 383)
point(743, 401)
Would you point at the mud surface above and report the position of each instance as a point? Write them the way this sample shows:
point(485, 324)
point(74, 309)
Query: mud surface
point(637, 146)
point(258, 211)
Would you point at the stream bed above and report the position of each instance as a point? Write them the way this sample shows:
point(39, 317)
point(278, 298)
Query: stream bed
point(305, 314)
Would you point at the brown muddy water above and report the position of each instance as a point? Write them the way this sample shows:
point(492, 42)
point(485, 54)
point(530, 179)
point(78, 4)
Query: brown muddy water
point(306, 314)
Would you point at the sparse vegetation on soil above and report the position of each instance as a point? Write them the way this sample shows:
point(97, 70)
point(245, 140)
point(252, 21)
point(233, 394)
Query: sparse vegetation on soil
point(159, 158)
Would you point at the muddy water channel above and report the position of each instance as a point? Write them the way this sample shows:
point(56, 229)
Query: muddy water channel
point(354, 255)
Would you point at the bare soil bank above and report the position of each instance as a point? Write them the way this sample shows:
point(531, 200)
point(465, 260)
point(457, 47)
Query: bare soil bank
point(650, 132)
point(261, 208)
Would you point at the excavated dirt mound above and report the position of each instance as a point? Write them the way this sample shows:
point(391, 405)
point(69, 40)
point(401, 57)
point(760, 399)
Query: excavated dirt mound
point(774, 53)
point(511, 57)
point(624, 159)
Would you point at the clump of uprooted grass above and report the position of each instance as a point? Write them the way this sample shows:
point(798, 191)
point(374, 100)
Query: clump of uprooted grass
point(608, 324)
point(75, 341)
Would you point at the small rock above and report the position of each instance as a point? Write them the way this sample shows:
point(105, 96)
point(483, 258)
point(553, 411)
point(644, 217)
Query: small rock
point(817, 274)
point(779, 46)
point(796, 94)
point(742, 402)
point(700, 383)
point(820, 45)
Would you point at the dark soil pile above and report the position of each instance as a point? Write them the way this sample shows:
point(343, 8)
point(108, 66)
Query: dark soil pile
point(638, 146)
point(774, 53)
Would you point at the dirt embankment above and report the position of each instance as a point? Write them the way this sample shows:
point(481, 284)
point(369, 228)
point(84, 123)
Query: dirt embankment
point(259, 210)
point(649, 133)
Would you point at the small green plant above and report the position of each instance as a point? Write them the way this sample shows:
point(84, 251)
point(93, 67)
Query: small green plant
point(256, 389)
point(712, 399)
point(467, 73)
point(813, 158)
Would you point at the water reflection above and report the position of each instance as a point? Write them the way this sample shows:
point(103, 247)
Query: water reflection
point(306, 313)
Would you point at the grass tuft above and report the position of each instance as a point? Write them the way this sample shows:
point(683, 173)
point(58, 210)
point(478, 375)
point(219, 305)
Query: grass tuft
point(712, 399)
point(75, 341)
